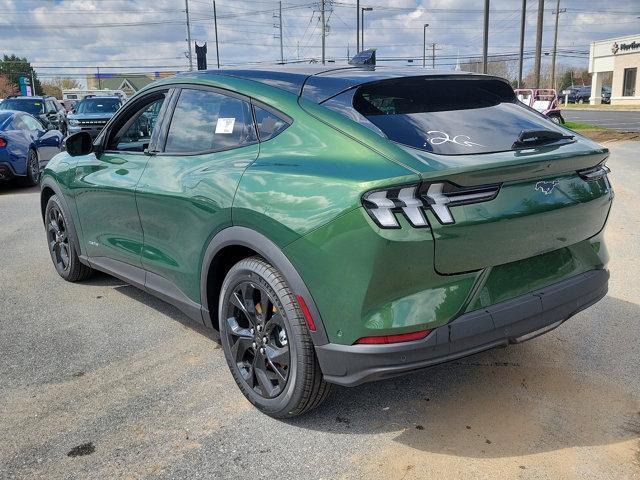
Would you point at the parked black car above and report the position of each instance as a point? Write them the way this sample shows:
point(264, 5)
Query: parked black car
point(46, 109)
point(577, 94)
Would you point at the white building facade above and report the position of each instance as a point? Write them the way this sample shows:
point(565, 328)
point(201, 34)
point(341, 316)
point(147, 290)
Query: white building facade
point(622, 57)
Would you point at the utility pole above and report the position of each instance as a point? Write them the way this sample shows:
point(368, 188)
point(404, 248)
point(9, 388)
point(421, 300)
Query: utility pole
point(362, 10)
point(215, 27)
point(555, 45)
point(485, 37)
point(523, 18)
point(280, 18)
point(186, 9)
point(298, 49)
point(536, 67)
point(357, 26)
point(433, 55)
point(323, 28)
point(99, 79)
point(33, 83)
point(424, 45)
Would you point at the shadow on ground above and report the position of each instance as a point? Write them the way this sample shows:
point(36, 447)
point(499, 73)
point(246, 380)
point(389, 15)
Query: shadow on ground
point(526, 399)
point(522, 400)
point(104, 280)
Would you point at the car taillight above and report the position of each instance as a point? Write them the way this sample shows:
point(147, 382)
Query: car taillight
point(3, 142)
point(383, 205)
point(397, 338)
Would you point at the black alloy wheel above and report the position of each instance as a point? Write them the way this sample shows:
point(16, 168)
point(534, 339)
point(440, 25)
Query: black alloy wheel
point(257, 335)
point(62, 242)
point(266, 341)
point(33, 168)
point(58, 238)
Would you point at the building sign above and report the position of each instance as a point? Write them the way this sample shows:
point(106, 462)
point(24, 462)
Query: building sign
point(624, 47)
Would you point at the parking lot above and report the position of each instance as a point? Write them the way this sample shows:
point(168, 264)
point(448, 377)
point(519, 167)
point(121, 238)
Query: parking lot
point(101, 380)
point(620, 120)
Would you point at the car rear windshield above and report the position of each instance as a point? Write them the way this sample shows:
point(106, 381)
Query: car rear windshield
point(34, 107)
point(98, 105)
point(449, 116)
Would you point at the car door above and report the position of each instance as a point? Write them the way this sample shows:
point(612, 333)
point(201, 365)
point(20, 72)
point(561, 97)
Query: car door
point(185, 194)
point(47, 142)
point(104, 188)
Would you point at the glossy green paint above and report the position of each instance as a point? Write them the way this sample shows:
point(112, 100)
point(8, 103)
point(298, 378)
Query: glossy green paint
point(520, 222)
point(104, 190)
point(371, 281)
point(302, 190)
point(504, 282)
point(183, 201)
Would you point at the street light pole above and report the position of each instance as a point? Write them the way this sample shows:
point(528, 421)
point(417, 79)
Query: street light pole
point(485, 37)
point(555, 44)
point(424, 45)
point(538, 59)
point(357, 26)
point(186, 9)
point(215, 25)
point(323, 28)
point(362, 10)
point(523, 18)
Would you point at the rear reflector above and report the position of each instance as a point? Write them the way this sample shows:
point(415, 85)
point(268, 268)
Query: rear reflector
point(3, 142)
point(401, 337)
point(307, 315)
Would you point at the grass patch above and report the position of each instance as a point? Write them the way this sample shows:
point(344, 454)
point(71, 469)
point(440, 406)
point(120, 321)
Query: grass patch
point(583, 126)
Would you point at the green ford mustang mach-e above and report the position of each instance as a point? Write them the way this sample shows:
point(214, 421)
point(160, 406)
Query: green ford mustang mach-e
point(337, 226)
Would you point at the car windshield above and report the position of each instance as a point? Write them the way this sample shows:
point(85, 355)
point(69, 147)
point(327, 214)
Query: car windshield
point(34, 107)
point(446, 116)
point(98, 105)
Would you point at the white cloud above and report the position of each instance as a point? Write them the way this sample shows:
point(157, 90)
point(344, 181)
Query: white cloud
point(246, 30)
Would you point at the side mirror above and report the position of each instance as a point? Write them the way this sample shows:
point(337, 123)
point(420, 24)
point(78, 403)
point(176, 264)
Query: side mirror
point(80, 143)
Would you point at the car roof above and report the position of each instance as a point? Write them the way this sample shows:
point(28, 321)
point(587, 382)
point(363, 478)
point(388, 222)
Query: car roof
point(101, 97)
point(317, 82)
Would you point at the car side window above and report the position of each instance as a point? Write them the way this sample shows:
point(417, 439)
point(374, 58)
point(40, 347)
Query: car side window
point(268, 124)
point(18, 124)
point(206, 121)
point(32, 124)
point(135, 133)
point(51, 107)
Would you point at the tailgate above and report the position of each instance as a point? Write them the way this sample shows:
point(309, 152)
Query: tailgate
point(525, 218)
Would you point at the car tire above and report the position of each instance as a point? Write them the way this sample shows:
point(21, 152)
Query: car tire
point(557, 119)
point(33, 169)
point(266, 341)
point(62, 245)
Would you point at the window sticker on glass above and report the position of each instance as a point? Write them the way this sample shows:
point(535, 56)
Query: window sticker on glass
point(225, 125)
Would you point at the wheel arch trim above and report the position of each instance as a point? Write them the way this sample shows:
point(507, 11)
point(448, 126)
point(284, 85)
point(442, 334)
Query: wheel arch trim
point(48, 182)
point(246, 237)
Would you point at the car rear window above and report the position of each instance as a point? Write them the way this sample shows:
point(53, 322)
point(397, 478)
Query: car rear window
point(34, 107)
point(448, 116)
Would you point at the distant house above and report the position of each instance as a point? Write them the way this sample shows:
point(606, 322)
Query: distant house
point(129, 83)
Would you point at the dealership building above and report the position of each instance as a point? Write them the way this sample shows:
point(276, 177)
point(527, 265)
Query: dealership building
point(622, 57)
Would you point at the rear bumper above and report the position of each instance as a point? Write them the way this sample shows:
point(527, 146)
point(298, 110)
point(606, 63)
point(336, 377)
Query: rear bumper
point(511, 321)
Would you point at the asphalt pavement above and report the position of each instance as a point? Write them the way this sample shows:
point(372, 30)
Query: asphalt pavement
point(100, 380)
point(621, 120)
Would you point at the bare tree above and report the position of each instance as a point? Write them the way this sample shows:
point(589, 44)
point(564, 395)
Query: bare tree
point(56, 85)
point(497, 66)
point(6, 87)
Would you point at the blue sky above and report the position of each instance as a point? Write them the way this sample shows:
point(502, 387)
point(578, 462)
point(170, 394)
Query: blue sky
point(76, 35)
